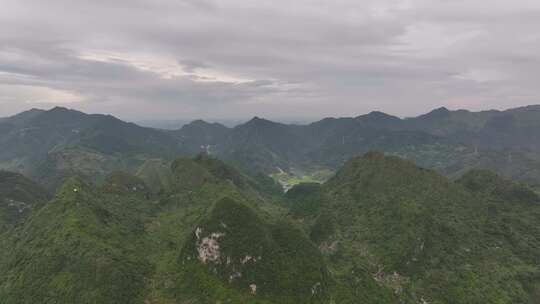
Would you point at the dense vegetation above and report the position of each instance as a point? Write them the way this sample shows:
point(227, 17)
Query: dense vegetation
point(81, 247)
point(51, 145)
point(131, 222)
point(430, 239)
point(234, 247)
point(381, 231)
point(18, 197)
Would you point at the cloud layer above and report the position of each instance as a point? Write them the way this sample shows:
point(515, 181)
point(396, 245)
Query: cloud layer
point(167, 59)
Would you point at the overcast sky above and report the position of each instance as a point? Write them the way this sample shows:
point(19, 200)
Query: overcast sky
point(169, 59)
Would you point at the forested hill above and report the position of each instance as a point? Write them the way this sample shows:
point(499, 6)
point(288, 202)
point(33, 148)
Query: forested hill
point(381, 231)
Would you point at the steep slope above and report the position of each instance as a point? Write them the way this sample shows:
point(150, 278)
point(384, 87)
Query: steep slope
point(490, 184)
point(192, 192)
point(266, 146)
point(451, 142)
point(261, 256)
point(235, 256)
point(305, 200)
point(360, 139)
point(258, 183)
point(200, 136)
point(389, 223)
point(513, 216)
point(156, 174)
point(513, 224)
point(110, 135)
point(58, 143)
point(381, 231)
point(82, 247)
point(85, 163)
point(18, 197)
point(455, 160)
point(444, 122)
point(21, 117)
point(515, 129)
point(263, 145)
point(380, 120)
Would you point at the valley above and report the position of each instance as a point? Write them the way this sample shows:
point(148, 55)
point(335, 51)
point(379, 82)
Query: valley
point(124, 214)
point(296, 177)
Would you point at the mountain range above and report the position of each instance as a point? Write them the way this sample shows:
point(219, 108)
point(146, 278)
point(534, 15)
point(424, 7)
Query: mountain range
point(382, 230)
point(51, 145)
point(97, 210)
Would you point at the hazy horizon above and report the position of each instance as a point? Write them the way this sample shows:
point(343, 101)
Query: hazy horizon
point(232, 122)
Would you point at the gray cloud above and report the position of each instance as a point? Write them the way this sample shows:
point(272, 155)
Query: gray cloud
point(234, 59)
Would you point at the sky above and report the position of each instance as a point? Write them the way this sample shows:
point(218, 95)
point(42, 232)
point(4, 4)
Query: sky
point(233, 59)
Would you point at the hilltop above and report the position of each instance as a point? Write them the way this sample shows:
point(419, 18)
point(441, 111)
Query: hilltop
point(384, 221)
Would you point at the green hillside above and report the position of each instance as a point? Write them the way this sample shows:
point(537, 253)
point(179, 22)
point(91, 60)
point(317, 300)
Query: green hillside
point(121, 242)
point(82, 247)
point(389, 223)
point(19, 196)
point(235, 256)
point(382, 230)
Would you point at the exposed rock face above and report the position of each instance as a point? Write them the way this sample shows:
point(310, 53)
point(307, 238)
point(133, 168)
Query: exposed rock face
point(256, 258)
point(18, 197)
point(316, 288)
point(328, 247)
point(19, 206)
point(394, 281)
point(208, 248)
point(253, 288)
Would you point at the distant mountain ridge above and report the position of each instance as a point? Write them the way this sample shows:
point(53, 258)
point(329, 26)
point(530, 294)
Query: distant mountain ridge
point(59, 141)
point(49, 145)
